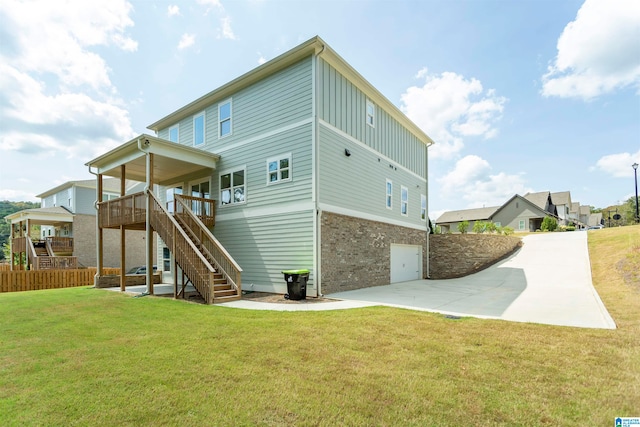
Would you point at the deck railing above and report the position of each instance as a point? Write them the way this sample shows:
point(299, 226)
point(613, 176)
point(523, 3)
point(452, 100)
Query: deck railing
point(204, 209)
point(60, 244)
point(223, 262)
point(125, 210)
point(196, 267)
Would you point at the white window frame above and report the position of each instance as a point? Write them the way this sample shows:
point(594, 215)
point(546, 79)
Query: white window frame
point(370, 118)
point(177, 129)
point(233, 187)
point(278, 170)
point(389, 194)
point(404, 202)
point(204, 128)
point(423, 207)
point(230, 119)
point(521, 224)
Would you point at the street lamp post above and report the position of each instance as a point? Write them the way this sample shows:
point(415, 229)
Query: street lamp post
point(635, 173)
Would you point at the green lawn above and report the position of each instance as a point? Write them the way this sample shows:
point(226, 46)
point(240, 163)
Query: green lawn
point(91, 357)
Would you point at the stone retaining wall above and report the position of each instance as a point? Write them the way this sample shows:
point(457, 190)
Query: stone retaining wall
point(457, 255)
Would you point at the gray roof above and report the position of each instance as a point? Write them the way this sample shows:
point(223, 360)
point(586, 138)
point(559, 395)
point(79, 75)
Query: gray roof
point(539, 199)
point(595, 219)
point(575, 207)
point(561, 198)
point(467, 215)
point(585, 210)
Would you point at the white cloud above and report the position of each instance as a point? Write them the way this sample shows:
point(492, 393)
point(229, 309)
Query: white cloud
point(598, 52)
point(225, 31)
point(186, 41)
point(173, 10)
point(449, 107)
point(618, 165)
point(55, 89)
point(471, 180)
point(261, 59)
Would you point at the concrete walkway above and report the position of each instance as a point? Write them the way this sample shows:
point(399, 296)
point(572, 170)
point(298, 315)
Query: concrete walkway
point(547, 281)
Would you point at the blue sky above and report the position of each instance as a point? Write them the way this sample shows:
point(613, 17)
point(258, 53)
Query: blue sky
point(518, 95)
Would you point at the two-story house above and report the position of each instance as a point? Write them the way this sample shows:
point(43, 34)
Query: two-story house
point(67, 236)
point(298, 164)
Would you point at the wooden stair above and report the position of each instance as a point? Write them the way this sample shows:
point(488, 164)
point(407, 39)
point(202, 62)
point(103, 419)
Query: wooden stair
point(223, 291)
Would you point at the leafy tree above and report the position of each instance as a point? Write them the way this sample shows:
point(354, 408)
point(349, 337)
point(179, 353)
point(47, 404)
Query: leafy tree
point(463, 227)
point(549, 224)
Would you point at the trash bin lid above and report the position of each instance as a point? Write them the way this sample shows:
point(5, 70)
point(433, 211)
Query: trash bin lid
point(295, 271)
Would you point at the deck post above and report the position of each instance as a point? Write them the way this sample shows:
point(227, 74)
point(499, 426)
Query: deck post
point(149, 230)
point(123, 253)
point(99, 233)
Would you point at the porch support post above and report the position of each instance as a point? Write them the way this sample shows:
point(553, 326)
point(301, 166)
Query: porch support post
point(99, 235)
point(123, 254)
point(149, 230)
point(27, 242)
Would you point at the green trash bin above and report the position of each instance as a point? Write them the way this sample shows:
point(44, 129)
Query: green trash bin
point(296, 284)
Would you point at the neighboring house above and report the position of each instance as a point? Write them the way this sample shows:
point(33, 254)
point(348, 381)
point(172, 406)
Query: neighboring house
point(562, 202)
point(67, 220)
point(543, 201)
point(585, 213)
point(298, 164)
point(595, 219)
point(518, 212)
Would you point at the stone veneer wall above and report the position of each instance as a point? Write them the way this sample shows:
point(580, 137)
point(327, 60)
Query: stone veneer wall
point(356, 253)
point(457, 255)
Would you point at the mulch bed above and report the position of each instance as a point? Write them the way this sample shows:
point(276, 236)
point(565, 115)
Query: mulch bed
point(279, 298)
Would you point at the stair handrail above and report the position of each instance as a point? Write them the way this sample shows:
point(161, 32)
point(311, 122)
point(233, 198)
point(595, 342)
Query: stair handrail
point(228, 266)
point(32, 251)
point(203, 285)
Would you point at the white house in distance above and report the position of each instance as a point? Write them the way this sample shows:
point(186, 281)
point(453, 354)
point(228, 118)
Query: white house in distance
point(67, 221)
point(298, 164)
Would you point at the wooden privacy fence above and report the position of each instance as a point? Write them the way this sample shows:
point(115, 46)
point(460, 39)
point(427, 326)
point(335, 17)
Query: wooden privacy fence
point(33, 280)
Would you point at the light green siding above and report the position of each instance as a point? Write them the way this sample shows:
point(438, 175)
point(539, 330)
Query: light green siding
point(266, 245)
point(277, 101)
point(343, 105)
point(358, 182)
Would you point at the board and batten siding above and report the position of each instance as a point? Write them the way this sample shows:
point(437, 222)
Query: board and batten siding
point(343, 105)
point(279, 100)
point(358, 182)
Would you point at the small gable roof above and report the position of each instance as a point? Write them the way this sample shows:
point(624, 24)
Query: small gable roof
point(539, 199)
point(467, 215)
point(561, 198)
point(42, 216)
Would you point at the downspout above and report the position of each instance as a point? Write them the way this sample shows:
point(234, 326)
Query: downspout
point(99, 265)
point(316, 174)
point(149, 232)
point(426, 180)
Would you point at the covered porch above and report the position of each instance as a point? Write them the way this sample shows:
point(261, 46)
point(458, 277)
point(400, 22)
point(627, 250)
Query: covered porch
point(184, 228)
point(50, 251)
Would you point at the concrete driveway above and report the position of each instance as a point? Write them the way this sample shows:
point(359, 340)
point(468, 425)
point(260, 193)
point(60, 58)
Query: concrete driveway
point(547, 281)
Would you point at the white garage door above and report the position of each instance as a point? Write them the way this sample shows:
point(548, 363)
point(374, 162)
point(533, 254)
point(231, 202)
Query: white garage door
point(406, 263)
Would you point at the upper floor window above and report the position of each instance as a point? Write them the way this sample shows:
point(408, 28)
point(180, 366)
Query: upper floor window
point(389, 194)
point(423, 207)
point(404, 201)
point(173, 133)
point(198, 129)
point(224, 118)
point(371, 114)
point(232, 187)
point(279, 169)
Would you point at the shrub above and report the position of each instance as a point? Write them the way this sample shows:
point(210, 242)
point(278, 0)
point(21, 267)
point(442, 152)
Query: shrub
point(463, 227)
point(507, 231)
point(491, 227)
point(549, 224)
point(479, 227)
point(571, 228)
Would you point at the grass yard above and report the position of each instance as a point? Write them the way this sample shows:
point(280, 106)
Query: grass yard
point(92, 357)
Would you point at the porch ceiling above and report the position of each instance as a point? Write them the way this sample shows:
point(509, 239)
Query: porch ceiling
point(42, 216)
point(172, 162)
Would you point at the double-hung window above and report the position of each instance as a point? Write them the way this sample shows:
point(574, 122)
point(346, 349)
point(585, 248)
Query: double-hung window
point(521, 224)
point(279, 169)
point(389, 194)
point(224, 118)
point(173, 133)
point(371, 114)
point(198, 129)
point(404, 201)
point(423, 207)
point(233, 187)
